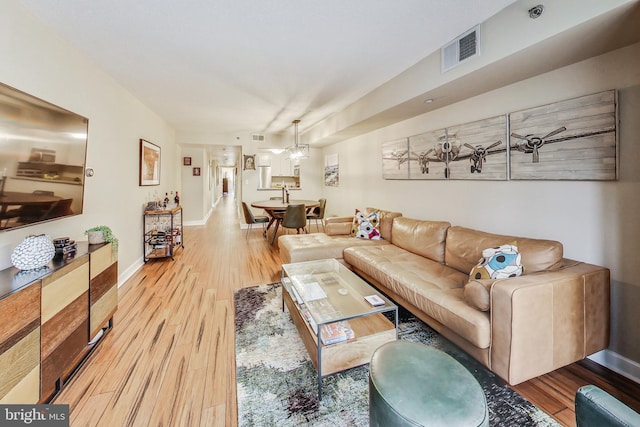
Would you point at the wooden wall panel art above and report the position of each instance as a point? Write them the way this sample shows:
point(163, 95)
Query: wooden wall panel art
point(475, 150)
point(395, 159)
point(575, 139)
point(424, 164)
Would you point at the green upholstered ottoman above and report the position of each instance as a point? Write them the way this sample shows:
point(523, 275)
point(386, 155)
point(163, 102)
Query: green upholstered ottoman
point(411, 384)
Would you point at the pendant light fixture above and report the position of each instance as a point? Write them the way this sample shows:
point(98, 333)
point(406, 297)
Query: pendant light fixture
point(297, 151)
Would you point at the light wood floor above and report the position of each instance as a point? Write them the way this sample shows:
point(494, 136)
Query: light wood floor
point(169, 361)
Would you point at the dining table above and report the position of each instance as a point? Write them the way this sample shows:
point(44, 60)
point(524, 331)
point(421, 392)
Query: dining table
point(276, 207)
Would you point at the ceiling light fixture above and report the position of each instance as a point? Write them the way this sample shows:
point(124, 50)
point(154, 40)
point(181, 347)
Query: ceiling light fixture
point(298, 151)
point(428, 100)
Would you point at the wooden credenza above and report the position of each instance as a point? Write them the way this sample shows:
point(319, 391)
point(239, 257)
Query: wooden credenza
point(47, 322)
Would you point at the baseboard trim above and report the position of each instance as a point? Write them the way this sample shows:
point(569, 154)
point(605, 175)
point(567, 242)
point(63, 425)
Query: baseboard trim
point(626, 367)
point(199, 222)
point(194, 223)
point(130, 271)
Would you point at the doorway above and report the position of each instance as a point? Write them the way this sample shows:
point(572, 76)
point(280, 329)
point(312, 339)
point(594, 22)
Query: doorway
point(228, 181)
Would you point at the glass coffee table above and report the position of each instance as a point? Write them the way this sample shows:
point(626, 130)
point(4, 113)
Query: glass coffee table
point(339, 316)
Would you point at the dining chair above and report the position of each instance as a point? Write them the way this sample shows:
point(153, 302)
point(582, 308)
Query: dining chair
point(317, 214)
point(295, 217)
point(251, 219)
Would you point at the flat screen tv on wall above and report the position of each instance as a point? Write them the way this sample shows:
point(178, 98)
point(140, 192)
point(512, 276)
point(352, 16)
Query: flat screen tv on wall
point(42, 160)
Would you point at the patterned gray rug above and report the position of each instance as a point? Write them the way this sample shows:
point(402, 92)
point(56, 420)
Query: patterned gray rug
point(276, 382)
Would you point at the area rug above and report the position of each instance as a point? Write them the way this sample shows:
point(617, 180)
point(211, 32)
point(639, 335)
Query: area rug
point(276, 382)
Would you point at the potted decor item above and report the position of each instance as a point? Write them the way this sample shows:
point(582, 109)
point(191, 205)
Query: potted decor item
point(34, 252)
point(102, 234)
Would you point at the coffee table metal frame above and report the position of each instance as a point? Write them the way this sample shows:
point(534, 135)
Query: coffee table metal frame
point(344, 302)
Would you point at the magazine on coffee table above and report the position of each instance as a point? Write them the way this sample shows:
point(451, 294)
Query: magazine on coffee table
point(333, 333)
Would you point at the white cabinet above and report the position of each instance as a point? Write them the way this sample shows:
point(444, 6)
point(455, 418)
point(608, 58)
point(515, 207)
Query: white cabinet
point(281, 166)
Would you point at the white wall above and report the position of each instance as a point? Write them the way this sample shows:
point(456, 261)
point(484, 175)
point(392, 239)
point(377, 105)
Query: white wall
point(37, 61)
point(596, 221)
point(195, 197)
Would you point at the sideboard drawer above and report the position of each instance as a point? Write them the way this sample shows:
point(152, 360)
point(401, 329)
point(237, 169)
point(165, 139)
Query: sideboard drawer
point(64, 324)
point(101, 259)
point(63, 287)
point(103, 288)
point(20, 346)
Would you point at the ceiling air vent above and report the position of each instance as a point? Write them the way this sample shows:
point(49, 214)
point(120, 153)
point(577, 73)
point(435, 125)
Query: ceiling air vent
point(257, 137)
point(464, 47)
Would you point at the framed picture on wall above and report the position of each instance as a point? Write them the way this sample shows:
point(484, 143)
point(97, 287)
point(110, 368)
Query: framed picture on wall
point(331, 170)
point(186, 161)
point(149, 163)
point(196, 171)
point(249, 162)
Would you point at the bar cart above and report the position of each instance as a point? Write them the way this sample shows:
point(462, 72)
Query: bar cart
point(162, 233)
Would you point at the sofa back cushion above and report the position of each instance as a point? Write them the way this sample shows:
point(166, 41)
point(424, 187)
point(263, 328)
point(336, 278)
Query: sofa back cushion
point(464, 248)
point(337, 226)
point(386, 221)
point(424, 238)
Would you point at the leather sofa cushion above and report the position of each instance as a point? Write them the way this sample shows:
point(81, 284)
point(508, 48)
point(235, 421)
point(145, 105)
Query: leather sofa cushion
point(337, 226)
point(476, 293)
point(464, 247)
point(386, 221)
point(310, 247)
point(434, 288)
point(424, 238)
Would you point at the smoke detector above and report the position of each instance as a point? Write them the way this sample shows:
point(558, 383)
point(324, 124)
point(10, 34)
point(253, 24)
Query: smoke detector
point(536, 11)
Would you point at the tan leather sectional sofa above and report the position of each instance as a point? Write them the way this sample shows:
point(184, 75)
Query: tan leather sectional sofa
point(556, 313)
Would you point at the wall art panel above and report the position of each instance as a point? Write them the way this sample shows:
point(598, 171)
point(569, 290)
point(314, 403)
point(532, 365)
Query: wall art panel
point(575, 139)
point(475, 150)
point(395, 159)
point(424, 163)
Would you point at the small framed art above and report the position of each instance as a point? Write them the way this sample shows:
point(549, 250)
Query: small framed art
point(196, 171)
point(149, 163)
point(249, 162)
point(186, 161)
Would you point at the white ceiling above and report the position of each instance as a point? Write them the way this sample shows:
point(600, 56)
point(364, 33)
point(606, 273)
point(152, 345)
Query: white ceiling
point(232, 67)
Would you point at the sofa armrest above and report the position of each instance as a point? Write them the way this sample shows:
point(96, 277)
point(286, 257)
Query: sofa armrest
point(543, 321)
point(338, 225)
point(596, 407)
